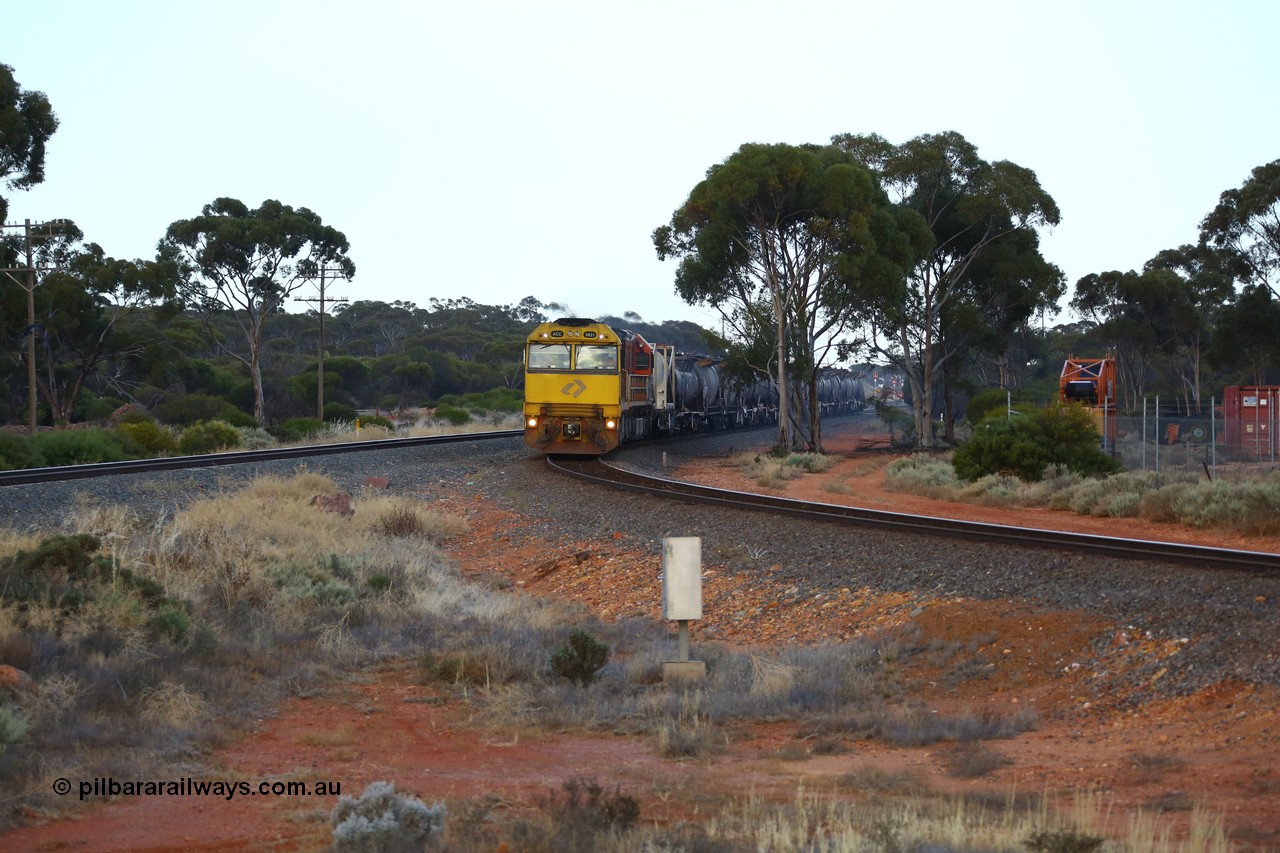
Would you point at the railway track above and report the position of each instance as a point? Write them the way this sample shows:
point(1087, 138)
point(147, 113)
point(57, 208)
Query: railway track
point(596, 471)
point(175, 463)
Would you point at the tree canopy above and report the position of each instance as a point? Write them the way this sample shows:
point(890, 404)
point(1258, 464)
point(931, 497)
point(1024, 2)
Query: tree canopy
point(26, 123)
point(984, 269)
point(783, 240)
point(1244, 228)
point(249, 261)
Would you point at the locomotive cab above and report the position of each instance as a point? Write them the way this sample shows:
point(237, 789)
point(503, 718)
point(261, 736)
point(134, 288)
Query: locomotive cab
point(573, 376)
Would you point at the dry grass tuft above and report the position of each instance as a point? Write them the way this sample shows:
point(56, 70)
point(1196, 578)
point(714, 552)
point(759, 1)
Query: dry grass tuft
point(771, 678)
point(398, 516)
point(172, 704)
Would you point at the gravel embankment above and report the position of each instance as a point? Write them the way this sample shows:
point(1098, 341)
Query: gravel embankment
point(1231, 619)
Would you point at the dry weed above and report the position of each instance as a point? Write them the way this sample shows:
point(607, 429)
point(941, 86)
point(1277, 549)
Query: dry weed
point(771, 678)
point(336, 641)
point(172, 704)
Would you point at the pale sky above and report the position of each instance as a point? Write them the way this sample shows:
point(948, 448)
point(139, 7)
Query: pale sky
point(499, 150)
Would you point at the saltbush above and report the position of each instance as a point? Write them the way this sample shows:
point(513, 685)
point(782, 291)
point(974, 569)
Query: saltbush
point(256, 438)
point(923, 474)
point(314, 583)
point(382, 820)
point(813, 463)
point(208, 437)
point(13, 727)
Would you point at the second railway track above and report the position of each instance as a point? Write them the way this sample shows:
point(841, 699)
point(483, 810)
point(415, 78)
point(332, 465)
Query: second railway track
point(597, 471)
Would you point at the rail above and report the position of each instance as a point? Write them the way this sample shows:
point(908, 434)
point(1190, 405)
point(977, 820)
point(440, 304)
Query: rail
point(597, 471)
point(174, 463)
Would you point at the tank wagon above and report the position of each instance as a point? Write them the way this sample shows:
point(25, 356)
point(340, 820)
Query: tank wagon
point(589, 387)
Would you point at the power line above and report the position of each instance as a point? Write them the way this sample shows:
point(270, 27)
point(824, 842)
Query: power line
point(320, 357)
point(29, 285)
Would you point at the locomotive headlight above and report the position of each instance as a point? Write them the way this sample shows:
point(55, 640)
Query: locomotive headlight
point(533, 422)
point(610, 424)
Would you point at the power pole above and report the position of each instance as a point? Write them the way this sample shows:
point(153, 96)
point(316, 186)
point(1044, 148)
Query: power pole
point(337, 271)
point(29, 285)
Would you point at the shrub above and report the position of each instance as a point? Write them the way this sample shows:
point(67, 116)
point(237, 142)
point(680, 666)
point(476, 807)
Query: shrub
point(13, 727)
point(973, 760)
point(453, 415)
point(994, 490)
point(1059, 436)
point(581, 658)
point(382, 820)
point(339, 412)
point(81, 446)
point(299, 582)
point(148, 437)
point(18, 451)
point(297, 429)
point(208, 437)
point(584, 805)
point(1000, 445)
point(1062, 842)
point(134, 416)
point(256, 438)
point(90, 407)
point(182, 409)
point(813, 463)
point(170, 622)
point(985, 403)
point(377, 420)
point(922, 474)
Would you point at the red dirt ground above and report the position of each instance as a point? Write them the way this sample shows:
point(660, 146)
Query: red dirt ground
point(1219, 748)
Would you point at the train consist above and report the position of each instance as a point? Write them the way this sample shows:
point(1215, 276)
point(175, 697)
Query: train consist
point(589, 388)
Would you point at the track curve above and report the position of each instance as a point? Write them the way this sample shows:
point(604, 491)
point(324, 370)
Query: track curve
point(597, 471)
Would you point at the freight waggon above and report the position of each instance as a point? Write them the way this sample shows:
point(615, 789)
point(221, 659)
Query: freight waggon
point(589, 387)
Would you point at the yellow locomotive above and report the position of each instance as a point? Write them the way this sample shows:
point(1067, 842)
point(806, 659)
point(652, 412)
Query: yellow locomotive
point(587, 388)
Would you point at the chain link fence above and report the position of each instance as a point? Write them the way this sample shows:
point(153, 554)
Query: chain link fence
point(1217, 441)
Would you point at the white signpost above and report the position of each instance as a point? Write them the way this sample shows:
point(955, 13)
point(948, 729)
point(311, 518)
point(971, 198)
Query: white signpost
point(682, 601)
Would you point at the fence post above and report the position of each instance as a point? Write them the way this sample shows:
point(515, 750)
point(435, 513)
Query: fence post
point(1144, 435)
point(1213, 435)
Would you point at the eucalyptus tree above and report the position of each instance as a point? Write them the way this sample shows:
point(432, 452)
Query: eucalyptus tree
point(374, 328)
point(1246, 333)
point(787, 239)
point(970, 206)
point(1137, 317)
point(26, 122)
point(1244, 229)
point(84, 310)
point(1202, 293)
point(246, 263)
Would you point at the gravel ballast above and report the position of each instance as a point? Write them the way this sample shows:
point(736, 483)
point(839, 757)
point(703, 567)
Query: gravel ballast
point(1231, 620)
